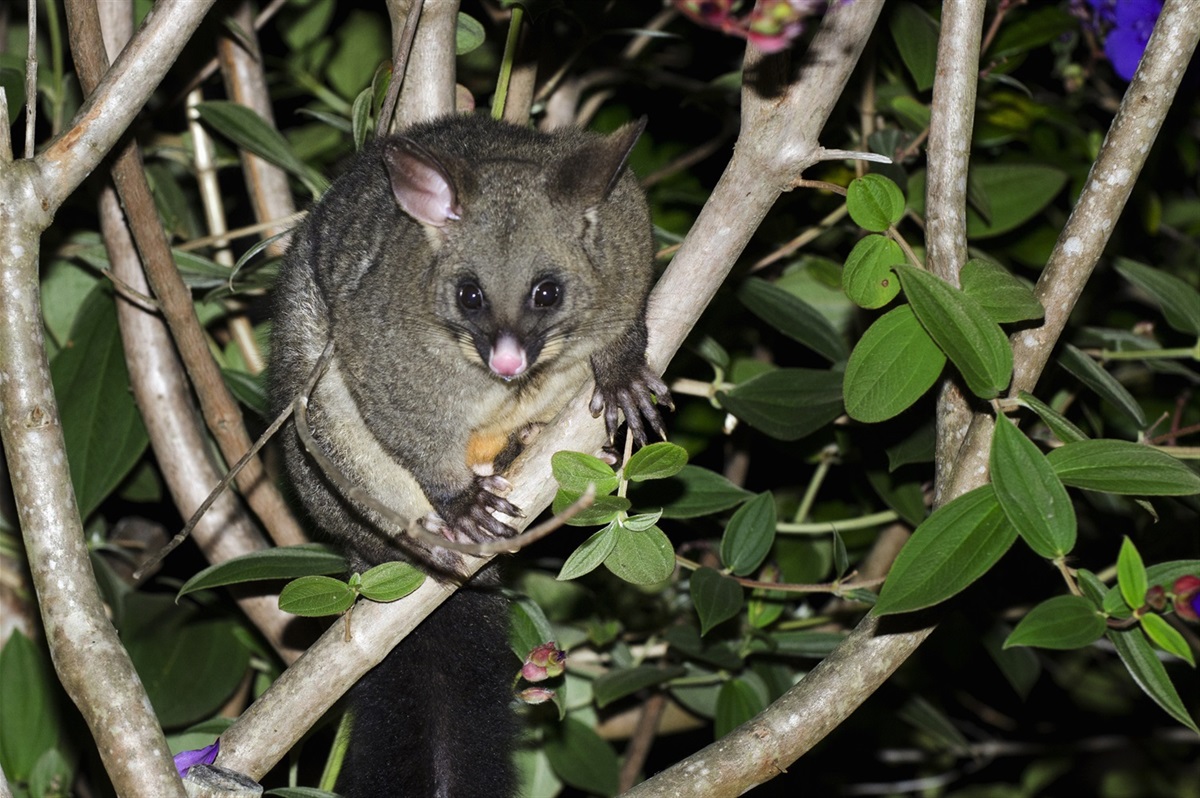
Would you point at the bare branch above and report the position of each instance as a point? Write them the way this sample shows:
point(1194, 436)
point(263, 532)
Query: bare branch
point(428, 89)
point(951, 121)
point(124, 89)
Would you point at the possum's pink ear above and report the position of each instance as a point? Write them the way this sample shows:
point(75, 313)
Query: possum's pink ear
point(423, 187)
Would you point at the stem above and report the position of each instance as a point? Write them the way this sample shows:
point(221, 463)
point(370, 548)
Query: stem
point(825, 527)
point(506, 63)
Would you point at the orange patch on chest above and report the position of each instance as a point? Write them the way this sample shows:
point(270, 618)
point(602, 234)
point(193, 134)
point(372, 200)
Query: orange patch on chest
point(484, 447)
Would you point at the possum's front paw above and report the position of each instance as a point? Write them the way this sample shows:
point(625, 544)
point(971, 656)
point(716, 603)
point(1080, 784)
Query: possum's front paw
point(635, 397)
point(468, 517)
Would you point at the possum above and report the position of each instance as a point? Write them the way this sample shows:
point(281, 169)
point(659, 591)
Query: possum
point(472, 276)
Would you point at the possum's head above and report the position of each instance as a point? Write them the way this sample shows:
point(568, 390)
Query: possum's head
point(540, 243)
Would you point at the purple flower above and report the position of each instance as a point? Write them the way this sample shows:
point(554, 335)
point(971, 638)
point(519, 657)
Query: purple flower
point(185, 760)
point(1128, 24)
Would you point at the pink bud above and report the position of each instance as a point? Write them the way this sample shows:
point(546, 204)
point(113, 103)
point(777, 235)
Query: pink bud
point(535, 695)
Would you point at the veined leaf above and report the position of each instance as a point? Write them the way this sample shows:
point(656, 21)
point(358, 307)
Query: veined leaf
point(1063, 622)
point(787, 403)
point(875, 203)
point(893, 365)
point(1180, 302)
point(1093, 375)
point(717, 598)
point(793, 317)
point(1149, 674)
point(1122, 467)
point(867, 276)
point(1004, 297)
point(284, 562)
point(956, 545)
point(1030, 493)
point(964, 331)
point(749, 535)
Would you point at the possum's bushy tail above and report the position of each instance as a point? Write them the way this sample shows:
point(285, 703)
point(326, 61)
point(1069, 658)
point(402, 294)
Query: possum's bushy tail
point(434, 719)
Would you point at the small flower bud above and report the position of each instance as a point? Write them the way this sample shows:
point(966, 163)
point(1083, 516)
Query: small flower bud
point(535, 695)
point(544, 662)
point(1156, 597)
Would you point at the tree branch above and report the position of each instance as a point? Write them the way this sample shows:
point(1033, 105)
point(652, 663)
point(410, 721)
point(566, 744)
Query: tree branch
point(114, 103)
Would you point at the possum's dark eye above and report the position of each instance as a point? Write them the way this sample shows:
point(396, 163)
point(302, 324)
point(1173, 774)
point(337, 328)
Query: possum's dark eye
point(546, 294)
point(470, 296)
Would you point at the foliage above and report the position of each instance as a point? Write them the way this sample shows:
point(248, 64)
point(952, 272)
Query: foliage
point(806, 426)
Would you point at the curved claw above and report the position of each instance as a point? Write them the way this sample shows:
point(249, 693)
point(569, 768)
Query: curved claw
point(639, 401)
point(471, 518)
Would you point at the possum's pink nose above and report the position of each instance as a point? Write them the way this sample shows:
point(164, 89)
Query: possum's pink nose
point(508, 357)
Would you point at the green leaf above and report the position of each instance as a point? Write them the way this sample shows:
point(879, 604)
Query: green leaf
point(1093, 375)
point(1179, 301)
point(590, 554)
point(248, 130)
point(582, 758)
point(360, 117)
point(1131, 575)
point(875, 203)
point(737, 703)
point(285, 562)
point(786, 403)
point(1015, 193)
point(793, 317)
point(1149, 674)
point(468, 34)
point(1122, 467)
point(973, 342)
point(362, 43)
point(1063, 429)
point(617, 684)
point(314, 596)
point(1023, 32)
point(918, 447)
point(893, 365)
point(249, 389)
point(692, 493)
point(190, 669)
point(916, 36)
point(749, 535)
point(29, 722)
point(867, 277)
point(1167, 637)
point(390, 581)
point(956, 545)
point(101, 424)
point(717, 598)
point(1063, 622)
point(575, 471)
point(656, 461)
point(643, 558)
point(1030, 494)
point(602, 510)
point(1001, 295)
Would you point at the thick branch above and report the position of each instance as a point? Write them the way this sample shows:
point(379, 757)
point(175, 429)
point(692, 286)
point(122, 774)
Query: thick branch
point(91, 663)
point(428, 89)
